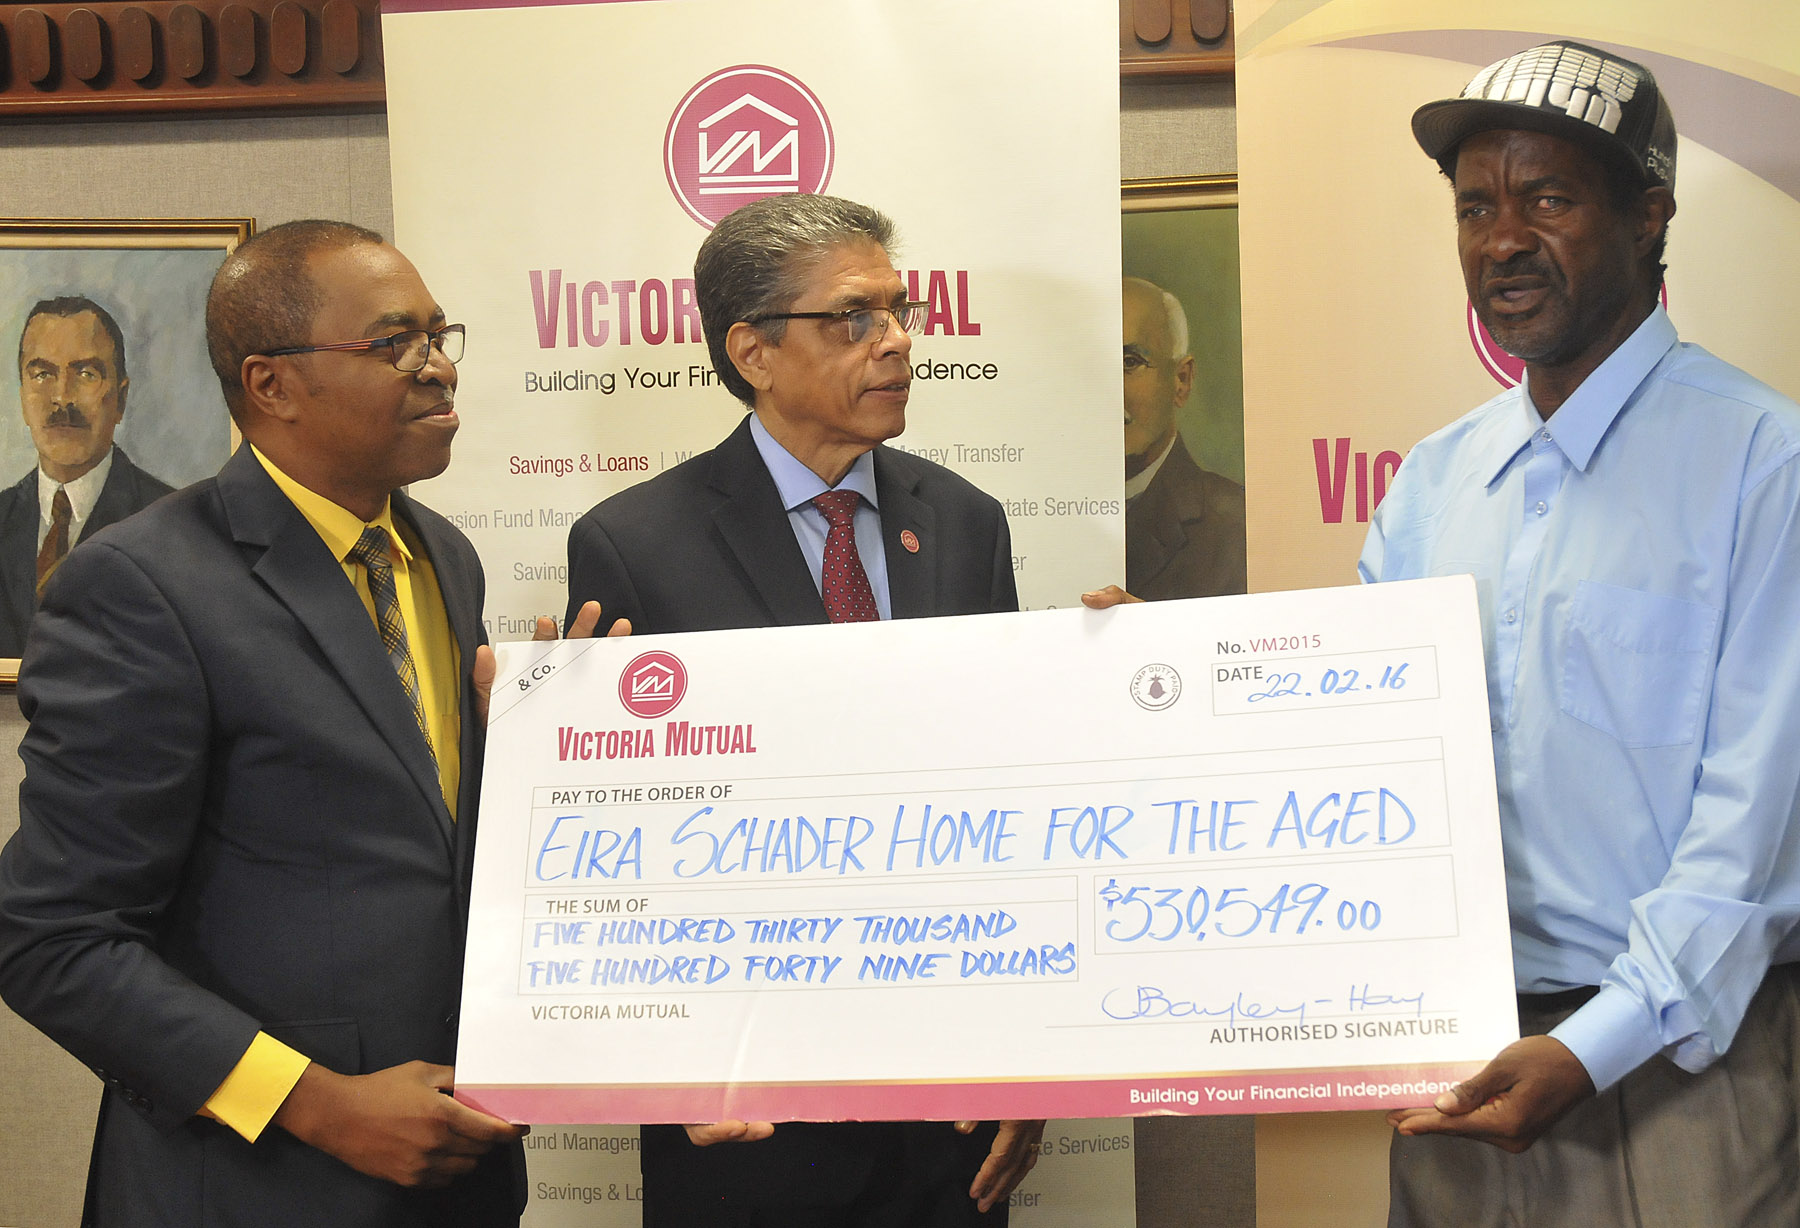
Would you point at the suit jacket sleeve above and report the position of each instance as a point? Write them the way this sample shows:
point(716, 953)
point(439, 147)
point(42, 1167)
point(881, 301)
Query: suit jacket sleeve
point(597, 572)
point(112, 800)
point(1006, 586)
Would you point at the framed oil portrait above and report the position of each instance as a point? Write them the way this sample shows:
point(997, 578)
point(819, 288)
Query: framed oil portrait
point(1184, 388)
point(107, 380)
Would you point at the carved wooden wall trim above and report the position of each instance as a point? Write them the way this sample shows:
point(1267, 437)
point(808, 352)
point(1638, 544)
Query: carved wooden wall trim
point(1176, 38)
point(167, 57)
point(204, 55)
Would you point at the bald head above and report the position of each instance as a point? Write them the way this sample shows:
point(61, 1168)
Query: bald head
point(1152, 298)
point(1159, 372)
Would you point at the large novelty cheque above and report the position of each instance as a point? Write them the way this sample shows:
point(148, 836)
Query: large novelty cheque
point(1229, 855)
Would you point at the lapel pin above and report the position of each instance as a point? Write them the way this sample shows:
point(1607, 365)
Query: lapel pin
point(910, 540)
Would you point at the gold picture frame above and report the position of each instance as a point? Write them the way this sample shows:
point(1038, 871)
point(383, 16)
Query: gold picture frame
point(150, 277)
point(1181, 233)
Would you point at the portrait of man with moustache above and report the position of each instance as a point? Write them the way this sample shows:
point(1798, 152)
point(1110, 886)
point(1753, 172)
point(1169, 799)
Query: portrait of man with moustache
point(72, 392)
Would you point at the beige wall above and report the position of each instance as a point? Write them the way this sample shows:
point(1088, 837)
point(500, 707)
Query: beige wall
point(47, 1098)
point(273, 170)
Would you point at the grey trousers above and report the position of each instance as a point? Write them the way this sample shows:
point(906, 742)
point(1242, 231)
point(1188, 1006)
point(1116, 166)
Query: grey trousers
point(1662, 1148)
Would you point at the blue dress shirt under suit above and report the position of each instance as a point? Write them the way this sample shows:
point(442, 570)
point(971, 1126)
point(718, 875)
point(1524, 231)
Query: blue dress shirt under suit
point(799, 486)
point(1637, 559)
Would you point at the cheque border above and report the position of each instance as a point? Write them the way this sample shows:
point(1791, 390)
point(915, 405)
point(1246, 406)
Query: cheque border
point(1270, 1091)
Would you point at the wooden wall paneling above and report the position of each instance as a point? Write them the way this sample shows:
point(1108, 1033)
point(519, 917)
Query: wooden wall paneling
point(32, 37)
point(187, 42)
point(237, 55)
point(287, 38)
point(84, 53)
point(192, 56)
point(1209, 19)
point(1151, 21)
point(1176, 39)
point(135, 37)
point(342, 36)
point(237, 40)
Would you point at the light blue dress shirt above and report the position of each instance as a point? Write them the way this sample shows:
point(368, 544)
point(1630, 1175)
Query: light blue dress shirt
point(1638, 565)
point(799, 485)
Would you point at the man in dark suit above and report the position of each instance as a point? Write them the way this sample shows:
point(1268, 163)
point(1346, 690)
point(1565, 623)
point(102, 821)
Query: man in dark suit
point(72, 386)
point(802, 516)
point(239, 885)
point(1184, 525)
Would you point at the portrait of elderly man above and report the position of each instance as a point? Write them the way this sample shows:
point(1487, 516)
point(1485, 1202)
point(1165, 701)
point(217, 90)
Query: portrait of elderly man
point(802, 515)
point(1631, 515)
point(72, 386)
point(1184, 525)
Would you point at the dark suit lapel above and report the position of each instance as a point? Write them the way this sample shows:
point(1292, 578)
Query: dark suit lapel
point(1156, 522)
point(912, 573)
point(117, 498)
point(18, 547)
point(300, 572)
point(461, 588)
point(755, 530)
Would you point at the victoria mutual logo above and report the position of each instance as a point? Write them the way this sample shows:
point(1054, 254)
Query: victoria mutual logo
point(742, 134)
point(652, 684)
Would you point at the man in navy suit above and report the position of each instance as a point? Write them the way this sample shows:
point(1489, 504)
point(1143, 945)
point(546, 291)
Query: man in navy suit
point(808, 325)
point(239, 886)
point(72, 388)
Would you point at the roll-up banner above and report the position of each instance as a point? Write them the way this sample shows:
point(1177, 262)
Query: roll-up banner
point(555, 168)
point(557, 165)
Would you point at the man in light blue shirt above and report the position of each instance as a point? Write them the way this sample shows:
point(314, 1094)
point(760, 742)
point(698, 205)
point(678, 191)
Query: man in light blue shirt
point(1631, 514)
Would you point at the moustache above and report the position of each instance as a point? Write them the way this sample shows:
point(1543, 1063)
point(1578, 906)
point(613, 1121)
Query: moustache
point(67, 415)
point(1524, 264)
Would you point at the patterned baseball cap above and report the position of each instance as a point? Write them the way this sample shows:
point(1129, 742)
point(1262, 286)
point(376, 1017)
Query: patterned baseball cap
point(1566, 89)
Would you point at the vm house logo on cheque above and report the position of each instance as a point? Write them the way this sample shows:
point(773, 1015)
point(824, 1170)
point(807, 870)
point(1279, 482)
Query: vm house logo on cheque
point(742, 134)
point(652, 684)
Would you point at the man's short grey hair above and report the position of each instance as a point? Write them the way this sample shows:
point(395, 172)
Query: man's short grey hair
point(1178, 329)
point(757, 260)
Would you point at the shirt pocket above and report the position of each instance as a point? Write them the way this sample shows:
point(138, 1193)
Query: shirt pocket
point(1636, 664)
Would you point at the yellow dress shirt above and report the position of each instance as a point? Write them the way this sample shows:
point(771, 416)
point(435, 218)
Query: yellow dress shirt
point(267, 1072)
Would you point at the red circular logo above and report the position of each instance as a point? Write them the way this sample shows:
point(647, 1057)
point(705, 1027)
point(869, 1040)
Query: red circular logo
point(742, 134)
point(1499, 364)
point(653, 684)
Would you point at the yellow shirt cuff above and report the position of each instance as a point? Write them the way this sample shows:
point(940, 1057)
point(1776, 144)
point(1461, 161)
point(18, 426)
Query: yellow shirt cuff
point(256, 1086)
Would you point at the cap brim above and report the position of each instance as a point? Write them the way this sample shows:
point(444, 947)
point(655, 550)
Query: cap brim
point(1440, 127)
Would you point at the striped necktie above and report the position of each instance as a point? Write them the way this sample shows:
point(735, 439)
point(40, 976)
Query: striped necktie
point(56, 541)
point(371, 550)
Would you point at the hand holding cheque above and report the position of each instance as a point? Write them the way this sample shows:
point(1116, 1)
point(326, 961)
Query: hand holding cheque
point(396, 1123)
point(1213, 856)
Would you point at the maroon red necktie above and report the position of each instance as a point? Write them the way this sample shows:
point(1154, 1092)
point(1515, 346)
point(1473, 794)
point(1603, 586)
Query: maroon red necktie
point(844, 584)
point(56, 541)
